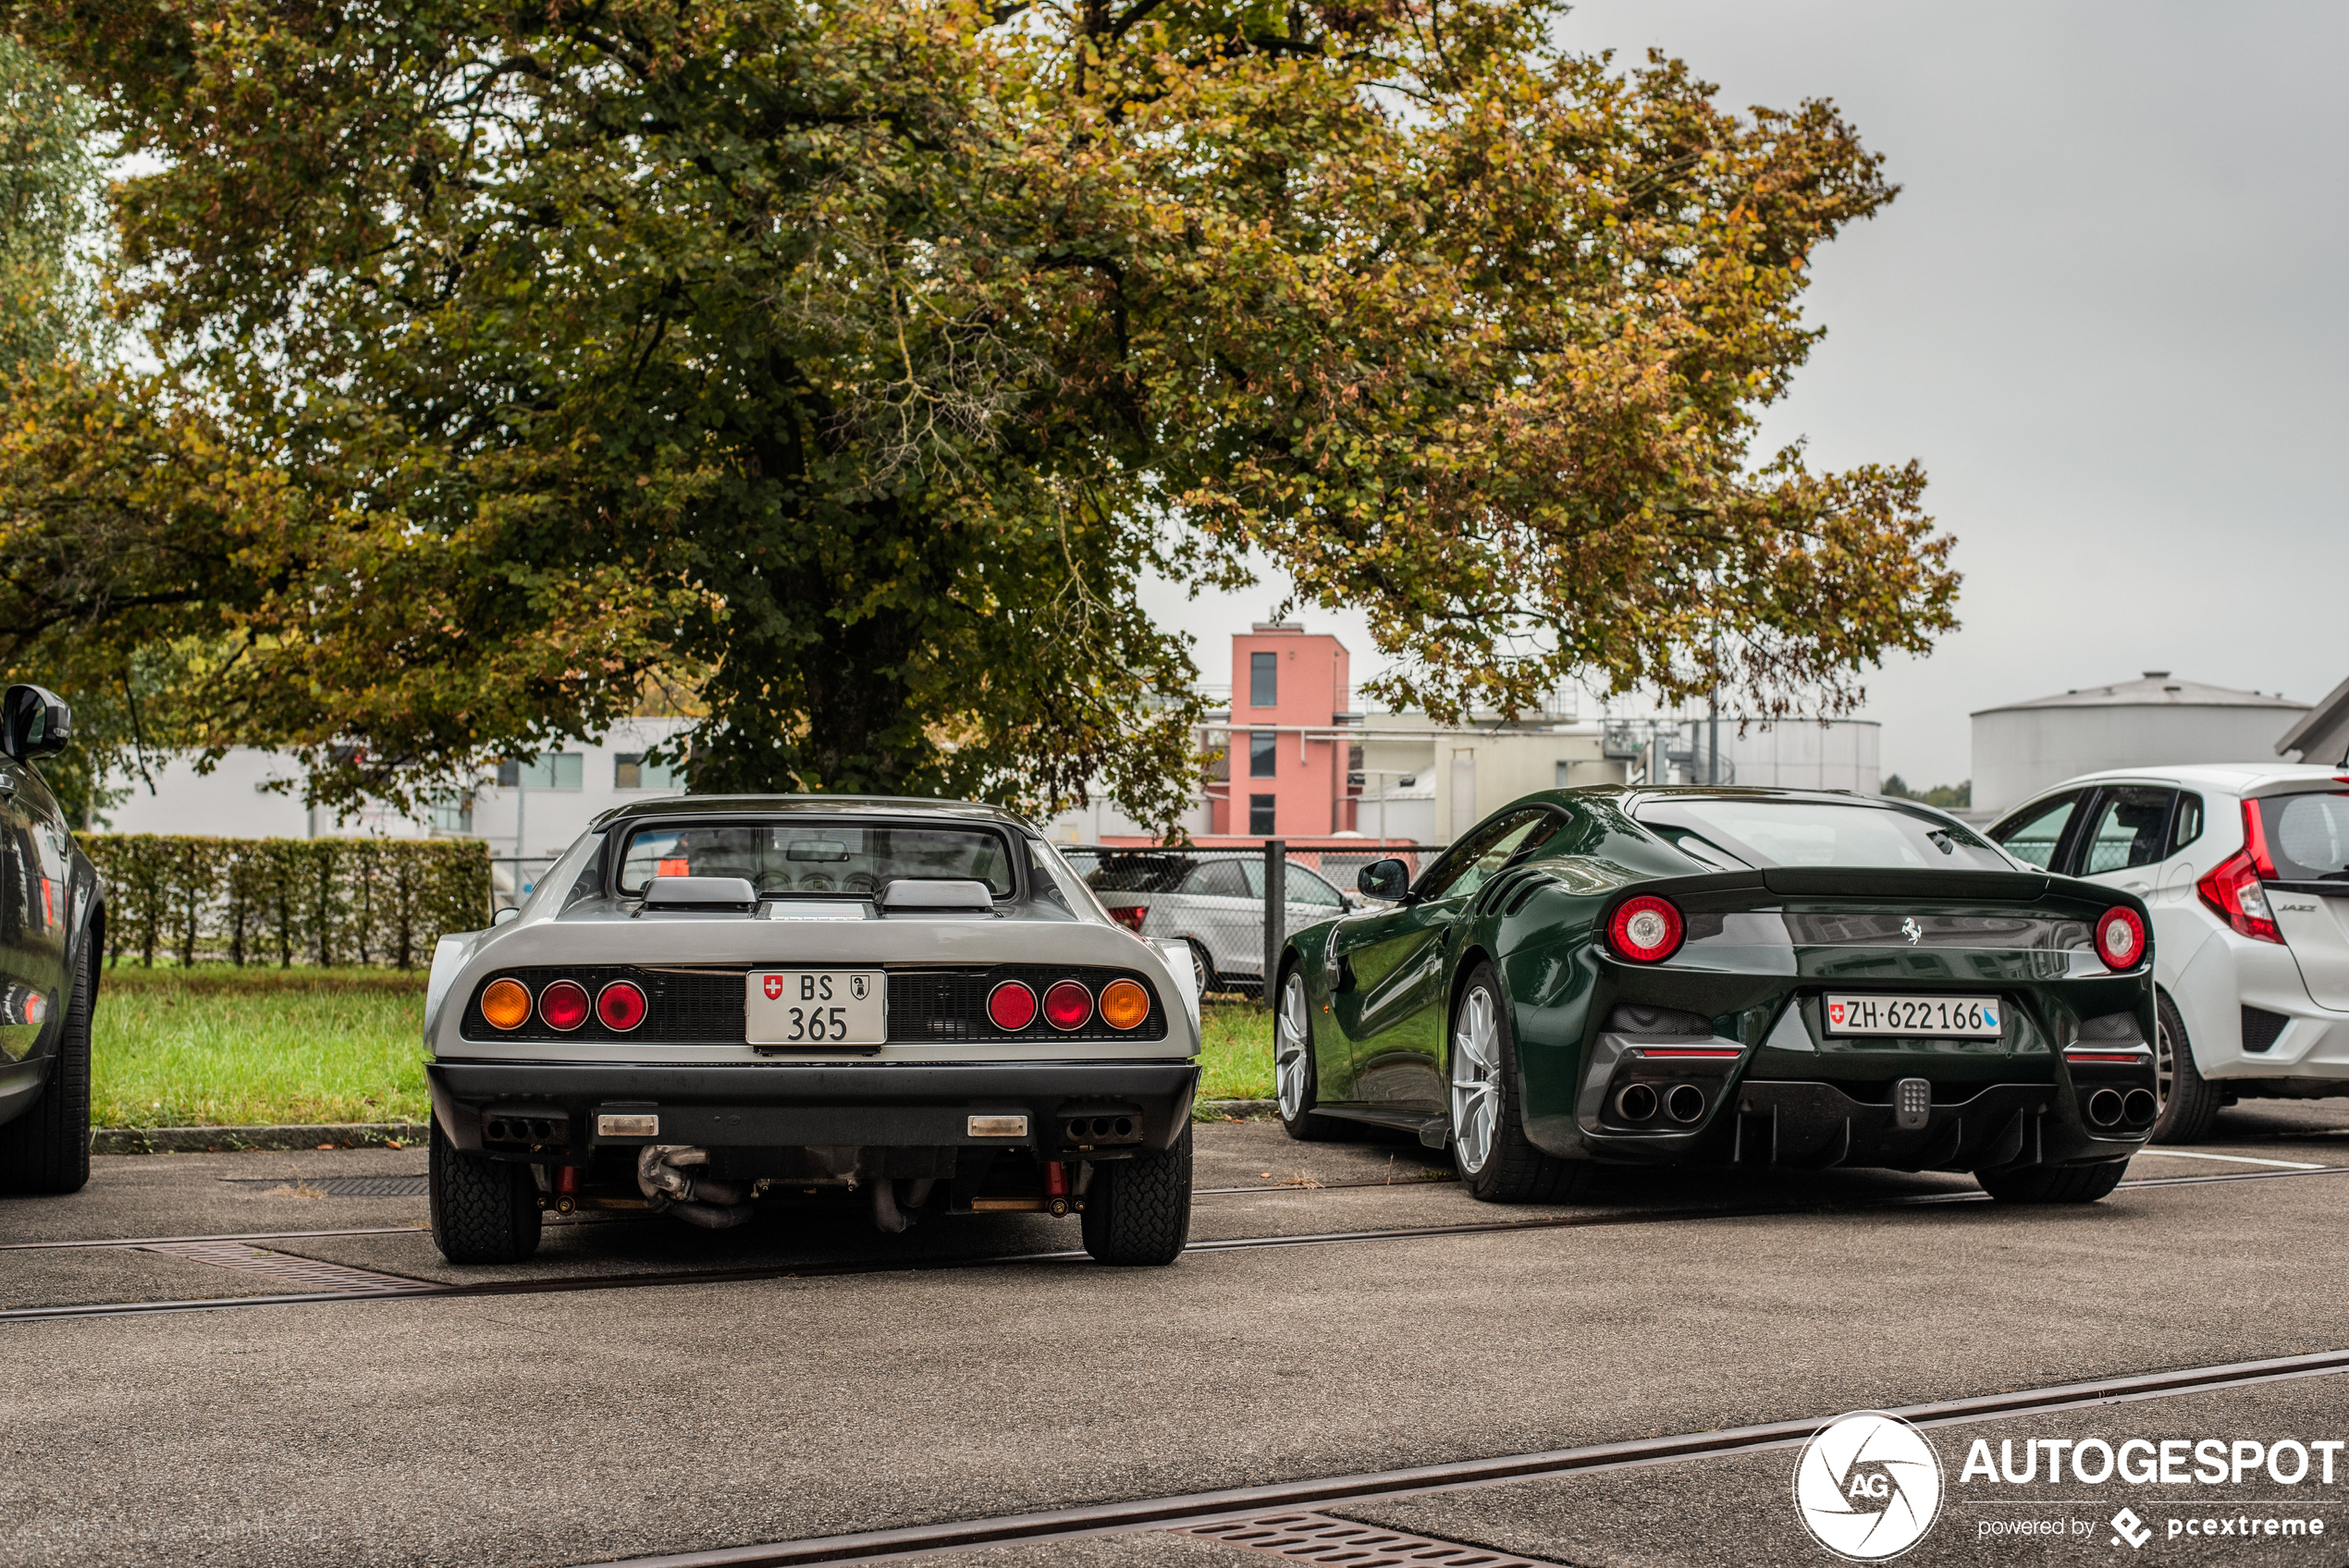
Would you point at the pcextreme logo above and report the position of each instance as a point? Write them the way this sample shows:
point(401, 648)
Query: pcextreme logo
point(1868, 1485)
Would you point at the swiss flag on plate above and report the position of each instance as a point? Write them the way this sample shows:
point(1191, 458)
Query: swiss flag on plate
point(1835, 1010)
point(774, 986)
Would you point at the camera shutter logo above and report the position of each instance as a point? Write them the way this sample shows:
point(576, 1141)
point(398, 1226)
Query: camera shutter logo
point(1868, 1485)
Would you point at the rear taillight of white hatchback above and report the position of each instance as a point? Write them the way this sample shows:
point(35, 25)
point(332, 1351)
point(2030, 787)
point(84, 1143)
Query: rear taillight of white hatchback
point(2234, 889)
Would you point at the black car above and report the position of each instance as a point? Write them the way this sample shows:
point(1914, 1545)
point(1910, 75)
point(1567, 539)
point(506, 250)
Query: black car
point(52, 929)
point(1738, 978)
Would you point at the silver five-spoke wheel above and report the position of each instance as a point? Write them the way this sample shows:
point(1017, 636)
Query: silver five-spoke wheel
point(1476, 1079)
point(1293, 1037)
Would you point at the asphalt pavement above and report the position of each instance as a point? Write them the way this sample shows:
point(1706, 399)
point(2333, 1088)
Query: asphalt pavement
point(972, 1367)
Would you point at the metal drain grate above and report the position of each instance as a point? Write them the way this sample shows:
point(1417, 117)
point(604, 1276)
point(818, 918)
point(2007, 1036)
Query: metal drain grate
point(338, 1186)
point(308, 1273)
point(1318, 1537)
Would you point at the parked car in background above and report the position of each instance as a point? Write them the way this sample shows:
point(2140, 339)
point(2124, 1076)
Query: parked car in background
point(52, 929)
point(1214, 904)
point(2245, 867)
point(1729, 977)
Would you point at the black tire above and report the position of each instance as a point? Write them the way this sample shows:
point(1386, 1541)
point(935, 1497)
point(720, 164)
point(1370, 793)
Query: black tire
point(2189, 1105)
point(46, 1149)
point(483, 1210)
point(2053, 1183)
point(1303, 1125)
point(1512, 1169)
point(1138, 1211)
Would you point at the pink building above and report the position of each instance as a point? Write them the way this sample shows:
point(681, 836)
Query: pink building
point(1285, 774)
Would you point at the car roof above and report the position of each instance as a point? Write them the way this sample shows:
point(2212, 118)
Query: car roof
point(2232, 777)
point(880, 808)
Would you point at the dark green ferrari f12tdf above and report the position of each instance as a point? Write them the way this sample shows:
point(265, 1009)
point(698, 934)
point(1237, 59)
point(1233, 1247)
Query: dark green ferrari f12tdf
point(1729, 977)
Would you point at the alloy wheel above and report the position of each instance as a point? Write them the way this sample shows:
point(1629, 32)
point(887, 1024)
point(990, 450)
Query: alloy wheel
point(1202, 976)
point(1293, 1033)
point(1476, 1079)
point(2165, 1063)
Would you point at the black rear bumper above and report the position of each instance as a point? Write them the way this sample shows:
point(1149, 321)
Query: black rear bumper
point(1809, 1125)
point(781, 1105)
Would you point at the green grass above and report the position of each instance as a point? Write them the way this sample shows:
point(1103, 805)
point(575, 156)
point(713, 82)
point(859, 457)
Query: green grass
point(1235, 1052)
point(215, 1045)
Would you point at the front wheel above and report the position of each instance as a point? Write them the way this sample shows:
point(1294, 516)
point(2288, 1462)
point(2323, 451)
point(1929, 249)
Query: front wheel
point(1295, 1078)
point(1496, 1161)
point(2053, 1183)
point(47, 1148)
point(2189, 1105)
point(1138, 1211)
point(483, 1210)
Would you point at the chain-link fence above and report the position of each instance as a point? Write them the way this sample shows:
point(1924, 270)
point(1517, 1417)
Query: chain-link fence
point(1223, 903)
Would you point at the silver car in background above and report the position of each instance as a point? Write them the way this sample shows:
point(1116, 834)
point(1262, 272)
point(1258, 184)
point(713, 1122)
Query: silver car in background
point(1213, 903)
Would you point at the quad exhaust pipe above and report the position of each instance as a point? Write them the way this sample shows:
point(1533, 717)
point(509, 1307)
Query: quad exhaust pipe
point(1683, 1103)
point(2105, 1107)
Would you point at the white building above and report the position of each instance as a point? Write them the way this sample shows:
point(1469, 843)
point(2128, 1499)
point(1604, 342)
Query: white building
point(529, 813)
point(2022, 748)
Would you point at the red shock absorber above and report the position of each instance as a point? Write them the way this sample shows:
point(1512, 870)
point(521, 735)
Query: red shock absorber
point(566, 1188)
point(1055, 1188)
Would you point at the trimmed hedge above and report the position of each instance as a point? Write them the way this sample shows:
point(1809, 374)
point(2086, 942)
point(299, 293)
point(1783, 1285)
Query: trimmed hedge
point(287, 900)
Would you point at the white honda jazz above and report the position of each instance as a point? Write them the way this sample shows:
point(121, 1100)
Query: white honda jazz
point(2246, 867)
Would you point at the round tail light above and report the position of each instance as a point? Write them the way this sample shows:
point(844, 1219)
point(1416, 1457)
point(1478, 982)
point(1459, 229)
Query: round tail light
point(2121, 938)
point(1646, 929)
point(1067, 1005)
point(621, 1005)
point(506, 1004)
point(1125, 1004)
point(1011, 1005)
point(563, 1004)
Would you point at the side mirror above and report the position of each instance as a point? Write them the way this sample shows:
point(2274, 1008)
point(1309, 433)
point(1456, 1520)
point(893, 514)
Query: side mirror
point(1385, 880)
point(34, 722)
point(505, 916)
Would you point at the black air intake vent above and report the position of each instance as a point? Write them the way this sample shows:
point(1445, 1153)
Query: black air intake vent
point(2260, 1028)
point(1627, 1019)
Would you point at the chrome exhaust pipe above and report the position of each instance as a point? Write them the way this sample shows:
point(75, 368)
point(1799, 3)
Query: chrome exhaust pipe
point(2104, 1107)
point(2140, 1106)
point(1685, 1103)
point(1635, 1102)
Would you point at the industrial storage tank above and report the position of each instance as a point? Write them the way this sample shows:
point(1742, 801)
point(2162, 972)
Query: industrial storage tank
point(2022, 748)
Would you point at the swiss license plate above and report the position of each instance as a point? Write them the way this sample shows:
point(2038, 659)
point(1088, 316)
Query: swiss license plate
point(817, 1006)
point(1967, 1017)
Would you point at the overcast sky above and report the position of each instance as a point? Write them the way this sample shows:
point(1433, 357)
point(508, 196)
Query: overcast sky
point(2107, 312)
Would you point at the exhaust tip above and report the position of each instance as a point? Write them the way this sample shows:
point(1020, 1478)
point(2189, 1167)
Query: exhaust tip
point(2140, 1106)
point(1635, 1103)
point(1686, 1103)
point(2105, 1106)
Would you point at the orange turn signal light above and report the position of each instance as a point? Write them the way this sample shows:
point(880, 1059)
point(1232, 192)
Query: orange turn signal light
point(506, 1003)
point(1124, 1004)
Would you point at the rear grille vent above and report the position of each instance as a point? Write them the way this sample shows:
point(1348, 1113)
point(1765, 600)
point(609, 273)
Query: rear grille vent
point(926, 1006)
point(2260, 1028)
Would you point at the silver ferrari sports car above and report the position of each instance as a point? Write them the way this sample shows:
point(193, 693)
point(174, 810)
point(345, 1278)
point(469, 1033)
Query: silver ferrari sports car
point(714, 1006)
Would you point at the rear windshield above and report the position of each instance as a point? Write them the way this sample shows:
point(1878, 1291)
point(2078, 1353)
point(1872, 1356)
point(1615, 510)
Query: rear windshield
point(2307, 836)
point(816, 858)
point(1764, 832)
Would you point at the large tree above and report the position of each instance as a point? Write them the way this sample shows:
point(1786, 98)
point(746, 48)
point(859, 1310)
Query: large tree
point(853, 359)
